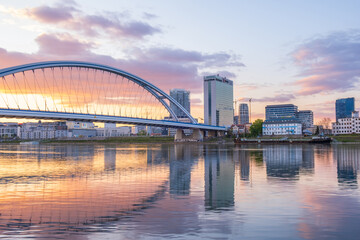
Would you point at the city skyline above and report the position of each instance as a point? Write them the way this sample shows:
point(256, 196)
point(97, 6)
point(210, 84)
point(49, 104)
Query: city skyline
point(308, 59)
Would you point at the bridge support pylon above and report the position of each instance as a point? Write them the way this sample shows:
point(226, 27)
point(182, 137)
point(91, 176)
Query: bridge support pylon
point(196, 136)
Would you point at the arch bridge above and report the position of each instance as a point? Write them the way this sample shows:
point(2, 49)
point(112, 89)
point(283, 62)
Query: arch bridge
point(83, 91)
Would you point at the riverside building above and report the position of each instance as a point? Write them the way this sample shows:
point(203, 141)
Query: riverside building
point(347, 125)
point(306, 117)
point(218, 101)
point(282, 127)
point(344, 107)
point(243, 113)
point(183, 97)
point(280, 111)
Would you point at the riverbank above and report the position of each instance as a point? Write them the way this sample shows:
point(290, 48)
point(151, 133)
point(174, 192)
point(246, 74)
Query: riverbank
point(134, 139)
point(353, 138)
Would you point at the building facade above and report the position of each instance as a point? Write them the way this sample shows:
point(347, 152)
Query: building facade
point(282, 127)
point(183, 97)
point(9, 130)
point(218, 101)
point(344, 107)
point(306, 117)
point(109, 131)
point(281, 111)
point(43, 130)
point(347, 125)
point(243, 113)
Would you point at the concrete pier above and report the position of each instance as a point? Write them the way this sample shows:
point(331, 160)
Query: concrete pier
point(196, 136)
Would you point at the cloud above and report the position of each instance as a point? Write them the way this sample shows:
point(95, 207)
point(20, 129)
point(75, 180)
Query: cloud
point(328, 63)
point(164, 72)
point(65, 45)
point(51, 14)
point(69, 17)
point(277, 98)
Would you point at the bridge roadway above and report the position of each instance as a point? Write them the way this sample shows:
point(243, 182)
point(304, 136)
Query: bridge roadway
point(15, 113)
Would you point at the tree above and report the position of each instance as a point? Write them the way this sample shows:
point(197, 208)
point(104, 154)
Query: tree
point(317, 130)
point(256, 128)
point(325, 122)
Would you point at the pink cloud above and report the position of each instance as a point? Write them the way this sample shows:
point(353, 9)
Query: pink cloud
point(69, 17)
point(51, 14)
point(277, 98)
point(328, 63)
point(159, 71)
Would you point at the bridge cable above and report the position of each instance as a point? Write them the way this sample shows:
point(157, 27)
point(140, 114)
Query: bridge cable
point(120, 94)
point(46, 82)
point(98, 92)
point(7, 101)
point(82, 88)
point(92, 90)
point(16, 81)
point(113, 93)
point(36, 82)
point(11, 93)
point(63, 86)
point(105, 94)
point(85, 91)
point(31, 89)
point(58, 90)
point(73, 88)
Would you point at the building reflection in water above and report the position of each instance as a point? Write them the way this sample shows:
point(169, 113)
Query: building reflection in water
point(347, 158)
point(219, 178)
point(109, 158)
point(243, 158)
point(286, 161)
point(181, 161)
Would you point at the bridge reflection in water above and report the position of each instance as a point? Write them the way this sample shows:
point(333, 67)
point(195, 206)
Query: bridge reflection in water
point(77, 184)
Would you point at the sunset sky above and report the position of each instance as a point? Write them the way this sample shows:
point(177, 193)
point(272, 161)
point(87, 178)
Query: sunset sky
point(301, 52)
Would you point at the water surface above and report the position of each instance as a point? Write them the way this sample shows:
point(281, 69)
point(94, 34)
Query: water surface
point(182, 191)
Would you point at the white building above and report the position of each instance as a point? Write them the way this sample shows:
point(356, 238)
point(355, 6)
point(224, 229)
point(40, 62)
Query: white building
point(347, 125)
point(282, 127)
point(9, 130)
point(218, 101)
point(113, 131)
point(46, 130)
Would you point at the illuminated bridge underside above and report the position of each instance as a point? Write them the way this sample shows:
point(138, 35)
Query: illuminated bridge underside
point(81, 91)
point(10, 113)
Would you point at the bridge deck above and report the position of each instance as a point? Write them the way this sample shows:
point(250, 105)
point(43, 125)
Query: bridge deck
point(15, 113)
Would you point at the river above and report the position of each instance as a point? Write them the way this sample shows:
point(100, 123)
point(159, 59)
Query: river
point(180, 191)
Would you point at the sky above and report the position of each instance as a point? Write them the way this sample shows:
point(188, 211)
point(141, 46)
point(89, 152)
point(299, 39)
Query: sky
point(276, 52)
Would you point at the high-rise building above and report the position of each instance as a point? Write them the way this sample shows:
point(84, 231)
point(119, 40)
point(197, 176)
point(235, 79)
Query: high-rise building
point(218, 101)
point(344, 107)
point(243, 113)
point(280, 111)
point(183, 97)
point(306, 118)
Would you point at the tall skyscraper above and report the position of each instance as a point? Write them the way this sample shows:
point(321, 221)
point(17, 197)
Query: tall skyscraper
point(306, 118)
point(280, 111)
point(243, 113)
point(183, 97)
point(344, 107)
point(218, 100)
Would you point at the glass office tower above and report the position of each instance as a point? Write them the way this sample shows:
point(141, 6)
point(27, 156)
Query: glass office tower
point(344, 107)
point(218, 101)
point(280, 111)
point(183, 97)
point(244, 113)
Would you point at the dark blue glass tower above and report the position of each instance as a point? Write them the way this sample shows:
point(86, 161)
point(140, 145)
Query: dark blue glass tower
point(344, 107)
